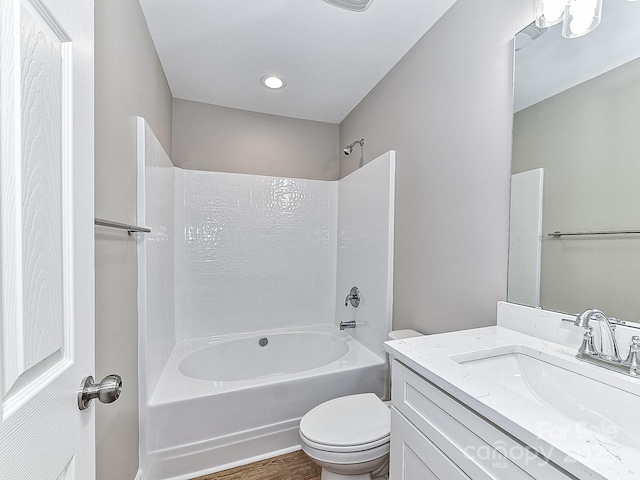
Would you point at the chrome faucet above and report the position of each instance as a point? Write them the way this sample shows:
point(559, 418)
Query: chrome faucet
point(606, 328)
point(349, 324)
point(608, 355)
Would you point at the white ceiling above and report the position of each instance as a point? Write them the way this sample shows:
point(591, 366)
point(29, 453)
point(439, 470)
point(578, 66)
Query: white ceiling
point(216, 51)
point(552, 64)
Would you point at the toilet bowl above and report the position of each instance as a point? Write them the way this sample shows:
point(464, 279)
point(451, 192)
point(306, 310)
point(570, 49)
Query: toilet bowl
point(349, 436)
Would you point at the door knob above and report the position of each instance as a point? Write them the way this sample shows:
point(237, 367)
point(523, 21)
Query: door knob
point(107, 391)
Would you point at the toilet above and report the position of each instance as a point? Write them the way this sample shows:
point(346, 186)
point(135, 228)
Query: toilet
point(349, 436)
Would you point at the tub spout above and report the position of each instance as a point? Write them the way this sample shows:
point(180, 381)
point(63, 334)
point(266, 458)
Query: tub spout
point(350, 324)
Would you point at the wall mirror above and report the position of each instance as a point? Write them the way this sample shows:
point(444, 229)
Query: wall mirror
point(576, 167)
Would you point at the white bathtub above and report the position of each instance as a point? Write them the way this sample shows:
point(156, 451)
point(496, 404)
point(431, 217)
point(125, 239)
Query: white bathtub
point(257, 356)
point(227, 401)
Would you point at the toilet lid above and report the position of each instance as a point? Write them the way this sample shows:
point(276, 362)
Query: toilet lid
point(348, 421)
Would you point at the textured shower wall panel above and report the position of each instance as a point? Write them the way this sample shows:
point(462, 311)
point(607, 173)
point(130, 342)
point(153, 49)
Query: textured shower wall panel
point(259, 252)
point(365, 249)
point(157, 256)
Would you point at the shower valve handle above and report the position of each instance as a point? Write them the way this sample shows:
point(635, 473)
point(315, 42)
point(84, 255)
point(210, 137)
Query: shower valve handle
point(353, 297)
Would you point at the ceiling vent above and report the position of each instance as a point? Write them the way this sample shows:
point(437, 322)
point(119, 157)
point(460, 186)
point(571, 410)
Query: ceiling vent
point(354, 5)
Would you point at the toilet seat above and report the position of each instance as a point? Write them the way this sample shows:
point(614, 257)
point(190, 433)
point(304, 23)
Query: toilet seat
point(344, 448)
point(347, 424)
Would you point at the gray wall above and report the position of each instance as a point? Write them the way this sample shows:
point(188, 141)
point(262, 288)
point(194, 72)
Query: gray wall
point(210, 137)
point(446, 108)
point(587, 141)
point(129, 82)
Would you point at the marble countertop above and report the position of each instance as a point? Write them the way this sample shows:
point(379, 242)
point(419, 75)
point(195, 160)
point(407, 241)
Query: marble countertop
point(587, 453)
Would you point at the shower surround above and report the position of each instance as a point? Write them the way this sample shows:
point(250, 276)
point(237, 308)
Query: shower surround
point(255, 252)
point(233, 260)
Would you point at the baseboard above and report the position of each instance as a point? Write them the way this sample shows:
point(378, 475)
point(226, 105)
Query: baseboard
point(247, 461)
point(138, 475)
point(195, 460)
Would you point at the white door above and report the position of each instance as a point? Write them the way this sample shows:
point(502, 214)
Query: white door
point(46, 237)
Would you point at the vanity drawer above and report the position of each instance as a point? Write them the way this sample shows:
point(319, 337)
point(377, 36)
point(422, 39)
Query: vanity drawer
point(415, 457)
point(479, 448)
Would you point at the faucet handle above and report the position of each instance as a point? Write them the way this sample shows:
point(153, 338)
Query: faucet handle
point(634, 347)
point(588, 346)
point(632, 361)
point(353, 297)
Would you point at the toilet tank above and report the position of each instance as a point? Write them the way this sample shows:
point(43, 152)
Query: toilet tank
point(400, 334)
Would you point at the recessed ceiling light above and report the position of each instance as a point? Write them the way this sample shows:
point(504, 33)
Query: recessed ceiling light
point(272, 82)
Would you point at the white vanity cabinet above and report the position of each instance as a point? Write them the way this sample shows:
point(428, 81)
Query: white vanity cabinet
point(435, 436)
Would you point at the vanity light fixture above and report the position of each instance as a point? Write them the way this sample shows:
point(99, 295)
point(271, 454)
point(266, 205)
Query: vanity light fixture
point(549, 12)
point(578, 17)
point(353, 5)
point(273, 82)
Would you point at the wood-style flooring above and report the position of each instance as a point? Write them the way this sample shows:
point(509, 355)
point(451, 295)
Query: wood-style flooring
point(292, 466)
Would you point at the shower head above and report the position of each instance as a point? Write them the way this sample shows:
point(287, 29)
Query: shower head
point(349, 148)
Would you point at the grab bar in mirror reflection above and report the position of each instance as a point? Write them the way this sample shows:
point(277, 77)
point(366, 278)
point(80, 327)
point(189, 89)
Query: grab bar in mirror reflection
point(609, 232)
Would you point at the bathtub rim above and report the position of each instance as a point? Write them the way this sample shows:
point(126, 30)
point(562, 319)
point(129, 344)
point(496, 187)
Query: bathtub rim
point(173, 386)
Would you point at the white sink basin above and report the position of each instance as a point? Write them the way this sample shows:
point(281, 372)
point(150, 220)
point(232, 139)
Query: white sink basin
point(589, 403)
